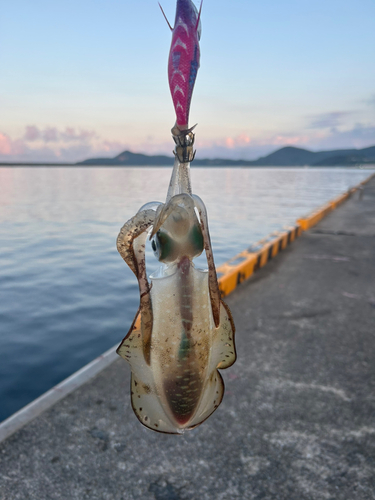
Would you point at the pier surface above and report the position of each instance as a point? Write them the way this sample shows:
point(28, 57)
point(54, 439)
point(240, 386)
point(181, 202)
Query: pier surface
point(298, 418)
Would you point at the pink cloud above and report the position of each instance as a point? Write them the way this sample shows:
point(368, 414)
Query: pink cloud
point(244, 147)
point(69, 133)
point(9, 147)
point(5, 144)
point(244, 140)
point(50, 134)
point(82, 135)
point(289, 140)
point(113, 146)
point(230, 142)
point(72, 145)
point(53, 134)
point(32, 133)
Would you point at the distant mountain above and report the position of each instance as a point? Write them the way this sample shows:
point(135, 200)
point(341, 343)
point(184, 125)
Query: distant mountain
point(290, 156)
point(138, 159)
point(128, 158)
point(284, 157)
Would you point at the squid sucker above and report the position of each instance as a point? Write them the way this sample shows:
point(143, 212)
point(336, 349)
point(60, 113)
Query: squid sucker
point(183, 332)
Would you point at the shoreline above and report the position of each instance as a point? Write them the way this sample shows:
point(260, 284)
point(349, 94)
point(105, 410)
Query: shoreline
point(370, 166)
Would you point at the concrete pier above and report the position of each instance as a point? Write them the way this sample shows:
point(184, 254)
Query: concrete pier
point(298, 417)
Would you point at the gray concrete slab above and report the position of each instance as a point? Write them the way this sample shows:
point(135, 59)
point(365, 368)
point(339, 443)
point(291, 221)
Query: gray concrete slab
point(297, 420)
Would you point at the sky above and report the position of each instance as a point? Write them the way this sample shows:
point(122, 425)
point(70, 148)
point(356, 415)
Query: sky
point(88, 78)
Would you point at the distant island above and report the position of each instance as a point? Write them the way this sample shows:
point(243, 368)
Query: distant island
point(285, 157)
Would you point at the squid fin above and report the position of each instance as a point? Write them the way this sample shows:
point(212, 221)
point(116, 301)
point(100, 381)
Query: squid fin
point(224, 351)
point(131, 342)
point(147, 405)
point(211, 399)
point(145, 401)
point(165, 17)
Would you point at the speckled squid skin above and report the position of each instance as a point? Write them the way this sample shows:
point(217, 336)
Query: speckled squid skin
point(175, 380)
point(184, 59)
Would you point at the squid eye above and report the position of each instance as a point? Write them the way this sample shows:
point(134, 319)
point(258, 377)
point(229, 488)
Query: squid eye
point(162, 245)
point(155, 246)
point(165, 246)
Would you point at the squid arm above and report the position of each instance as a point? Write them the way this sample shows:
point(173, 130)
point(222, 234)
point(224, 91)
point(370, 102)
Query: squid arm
point(212, 276)
point(131, 244)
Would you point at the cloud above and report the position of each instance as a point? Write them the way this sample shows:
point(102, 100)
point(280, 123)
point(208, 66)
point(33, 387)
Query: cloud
point(50, 134)
point(70, 134)
point(360, 136)
point(329, 120)
point(53, 134)
point(240, 140)
point(5, 144)
point(10, 147)
point(113, 146)
point(32, 133)
point(246, 147)
point(52, 144)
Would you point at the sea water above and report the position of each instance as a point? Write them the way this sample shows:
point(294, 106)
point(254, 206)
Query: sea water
point(66, 295)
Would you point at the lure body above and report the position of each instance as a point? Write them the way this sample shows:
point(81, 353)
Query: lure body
point(184, 58)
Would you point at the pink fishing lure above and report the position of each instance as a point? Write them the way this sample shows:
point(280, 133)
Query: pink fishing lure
point(184, 59)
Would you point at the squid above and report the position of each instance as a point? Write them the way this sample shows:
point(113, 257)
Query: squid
point(182, 332)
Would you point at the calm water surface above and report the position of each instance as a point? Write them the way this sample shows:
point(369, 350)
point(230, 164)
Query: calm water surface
point(66, 296)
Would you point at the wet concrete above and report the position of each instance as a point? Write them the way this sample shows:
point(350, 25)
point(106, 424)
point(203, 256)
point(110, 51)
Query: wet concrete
point(297, 420)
